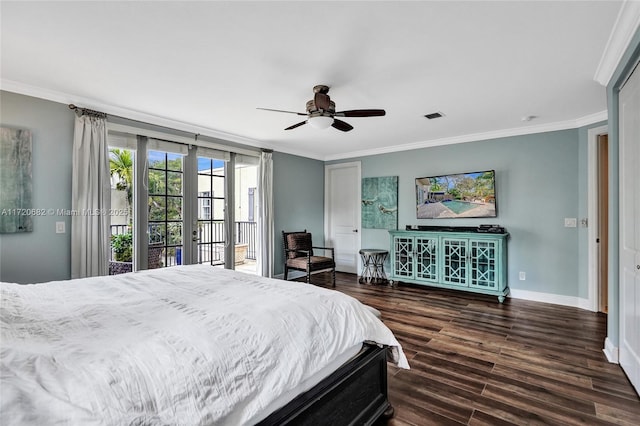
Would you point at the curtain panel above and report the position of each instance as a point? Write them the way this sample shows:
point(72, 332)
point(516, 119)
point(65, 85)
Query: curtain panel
point(265, 215)
point(90, 198)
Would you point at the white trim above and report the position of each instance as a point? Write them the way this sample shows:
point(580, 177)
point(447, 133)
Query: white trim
point(610, 351)
point(541, 128)
point(556, 299)
point(627, 23)
point(593, 215)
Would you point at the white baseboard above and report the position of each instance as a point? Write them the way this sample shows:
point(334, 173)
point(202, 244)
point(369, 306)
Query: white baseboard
point(556, 299)
point(610, 351)
point(292, 275)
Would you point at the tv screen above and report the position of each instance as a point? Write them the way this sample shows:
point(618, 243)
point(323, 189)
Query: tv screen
point(456, 196)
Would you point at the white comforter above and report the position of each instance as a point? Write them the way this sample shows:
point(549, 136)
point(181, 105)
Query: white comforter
point(187, 345)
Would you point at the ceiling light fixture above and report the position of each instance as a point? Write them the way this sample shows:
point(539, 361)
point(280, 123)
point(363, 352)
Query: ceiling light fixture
point(320, 121)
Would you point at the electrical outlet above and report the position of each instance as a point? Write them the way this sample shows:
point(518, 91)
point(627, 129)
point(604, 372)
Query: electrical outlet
point(523, 276)
point(570, 222)
point(60, 228)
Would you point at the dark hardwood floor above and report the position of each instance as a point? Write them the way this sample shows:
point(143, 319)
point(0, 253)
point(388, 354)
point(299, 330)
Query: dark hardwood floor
point(477, 362)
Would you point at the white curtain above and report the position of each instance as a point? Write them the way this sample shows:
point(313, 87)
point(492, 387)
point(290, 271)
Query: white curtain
point(90, 198)
point(265, 215)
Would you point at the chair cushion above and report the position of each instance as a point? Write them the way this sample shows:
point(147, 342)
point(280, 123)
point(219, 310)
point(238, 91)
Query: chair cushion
point(298, 241)
point(317, 263)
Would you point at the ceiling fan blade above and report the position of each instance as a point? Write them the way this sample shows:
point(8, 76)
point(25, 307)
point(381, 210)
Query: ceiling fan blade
point(279, 110)
point(296, 125)
point(341, 125)
point(361, 113)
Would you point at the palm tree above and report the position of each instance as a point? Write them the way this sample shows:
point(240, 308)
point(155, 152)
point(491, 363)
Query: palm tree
point(121, 166)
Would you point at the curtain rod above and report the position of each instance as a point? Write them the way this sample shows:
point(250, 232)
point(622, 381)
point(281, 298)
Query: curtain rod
point(101, 114)
point(87, 111)
point(196, 136)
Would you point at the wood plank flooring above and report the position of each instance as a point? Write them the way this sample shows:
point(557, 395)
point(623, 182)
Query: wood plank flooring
point(477, 362)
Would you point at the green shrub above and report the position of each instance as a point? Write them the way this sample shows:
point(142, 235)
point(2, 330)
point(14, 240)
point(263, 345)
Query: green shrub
point(122, 245)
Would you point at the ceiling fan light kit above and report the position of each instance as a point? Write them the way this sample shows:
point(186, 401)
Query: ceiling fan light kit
point(320, 121)
point(321, 112)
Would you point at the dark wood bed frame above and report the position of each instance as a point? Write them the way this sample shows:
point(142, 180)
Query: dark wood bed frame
point(355, 394)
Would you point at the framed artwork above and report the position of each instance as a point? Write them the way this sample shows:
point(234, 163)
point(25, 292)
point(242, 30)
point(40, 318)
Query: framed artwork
point(16, 191)
point(380, 202)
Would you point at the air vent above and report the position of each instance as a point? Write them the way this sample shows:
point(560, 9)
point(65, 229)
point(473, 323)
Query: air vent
point(434, 115)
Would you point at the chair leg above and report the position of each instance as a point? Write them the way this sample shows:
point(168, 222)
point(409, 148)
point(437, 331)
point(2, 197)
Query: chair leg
point(286, 273)
point(333, 273)
point(308, 276)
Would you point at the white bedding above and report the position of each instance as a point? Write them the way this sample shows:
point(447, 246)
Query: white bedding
point(187, 345)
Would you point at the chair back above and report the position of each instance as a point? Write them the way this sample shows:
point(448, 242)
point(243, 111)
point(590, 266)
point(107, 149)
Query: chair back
point(296, 241)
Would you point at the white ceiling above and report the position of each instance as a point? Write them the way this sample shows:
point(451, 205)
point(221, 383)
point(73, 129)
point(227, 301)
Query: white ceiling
point(206, 66)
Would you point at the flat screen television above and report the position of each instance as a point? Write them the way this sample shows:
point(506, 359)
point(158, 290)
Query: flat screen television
point(461, 195)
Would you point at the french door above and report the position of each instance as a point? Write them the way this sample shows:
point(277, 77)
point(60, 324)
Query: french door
point(165, 204)
point(183, 203)
point(210, 236)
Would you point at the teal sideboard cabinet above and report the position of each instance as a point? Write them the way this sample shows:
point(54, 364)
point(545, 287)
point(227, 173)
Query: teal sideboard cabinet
point(451, 257)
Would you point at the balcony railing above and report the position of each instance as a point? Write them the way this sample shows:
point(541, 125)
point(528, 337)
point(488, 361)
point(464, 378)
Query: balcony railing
point(211, 240)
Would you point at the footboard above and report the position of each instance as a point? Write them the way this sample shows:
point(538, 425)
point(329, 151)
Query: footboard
point(355, 394)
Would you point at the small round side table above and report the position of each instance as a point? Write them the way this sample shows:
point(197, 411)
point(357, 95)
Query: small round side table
point(373, 266)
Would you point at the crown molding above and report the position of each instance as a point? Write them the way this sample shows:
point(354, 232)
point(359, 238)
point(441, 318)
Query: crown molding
point(625, 27)
point(474, 137)
point(51, 95)
point(65, 98)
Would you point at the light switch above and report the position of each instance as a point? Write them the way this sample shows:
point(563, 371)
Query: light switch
point(60, 228)
point(570, 222)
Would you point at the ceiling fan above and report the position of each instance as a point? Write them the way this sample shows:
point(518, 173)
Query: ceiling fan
point(321, 112)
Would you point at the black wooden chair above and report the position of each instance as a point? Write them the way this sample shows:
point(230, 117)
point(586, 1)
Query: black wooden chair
point(299, 256)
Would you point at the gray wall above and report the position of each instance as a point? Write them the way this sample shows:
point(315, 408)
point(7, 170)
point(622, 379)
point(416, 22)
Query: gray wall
point(41, 255)
point(298, 199)
point(537, 186)
point(541, 179)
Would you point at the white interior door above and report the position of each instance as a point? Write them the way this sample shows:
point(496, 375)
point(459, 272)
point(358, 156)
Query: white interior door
point(342, 214)
point(629, 113)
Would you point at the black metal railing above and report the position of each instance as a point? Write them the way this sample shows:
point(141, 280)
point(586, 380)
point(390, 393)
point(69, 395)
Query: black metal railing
point(211, 237)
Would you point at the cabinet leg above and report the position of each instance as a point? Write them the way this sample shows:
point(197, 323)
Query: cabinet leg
point(500, 299)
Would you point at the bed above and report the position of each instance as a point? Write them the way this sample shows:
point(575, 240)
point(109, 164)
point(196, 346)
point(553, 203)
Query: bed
point(190, 345)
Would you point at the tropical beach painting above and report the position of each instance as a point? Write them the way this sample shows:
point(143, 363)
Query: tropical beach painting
point(15, 174)
point(456, 196)
point(380, 202)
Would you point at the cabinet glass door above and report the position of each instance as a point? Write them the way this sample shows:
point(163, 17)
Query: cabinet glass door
point(454, 261)
point(403, 256)
point(482, 269)
point(426, 258)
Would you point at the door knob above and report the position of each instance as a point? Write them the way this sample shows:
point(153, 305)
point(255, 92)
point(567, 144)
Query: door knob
point(355, 230)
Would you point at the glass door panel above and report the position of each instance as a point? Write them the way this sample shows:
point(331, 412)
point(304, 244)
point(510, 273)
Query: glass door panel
point(121, 163)
point(165, 209)
point(211, 238)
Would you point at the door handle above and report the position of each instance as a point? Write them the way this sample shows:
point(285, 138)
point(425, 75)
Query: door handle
point(355, 230)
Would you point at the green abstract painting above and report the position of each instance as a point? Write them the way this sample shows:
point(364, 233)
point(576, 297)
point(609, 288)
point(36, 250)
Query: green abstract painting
point(15, 174)
point(380, 202)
